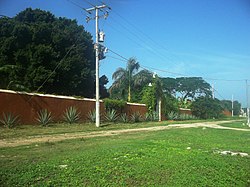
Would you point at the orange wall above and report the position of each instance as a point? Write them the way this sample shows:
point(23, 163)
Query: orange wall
point(26, 106)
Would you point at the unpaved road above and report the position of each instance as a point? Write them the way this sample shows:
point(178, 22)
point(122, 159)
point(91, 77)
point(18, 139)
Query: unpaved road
point(66, 136)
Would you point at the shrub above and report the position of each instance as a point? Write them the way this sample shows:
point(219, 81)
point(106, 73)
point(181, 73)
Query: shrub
point(111, 115)
point(124, 118)
point(186, 117)
point(44, 117)
point(112, 104)
point(91, 116)
point(136, 117)
point(9, 120)
point(172, 115)
point(71, 115)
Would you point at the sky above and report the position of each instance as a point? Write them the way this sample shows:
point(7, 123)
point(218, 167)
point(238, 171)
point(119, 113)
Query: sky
point(173, 38)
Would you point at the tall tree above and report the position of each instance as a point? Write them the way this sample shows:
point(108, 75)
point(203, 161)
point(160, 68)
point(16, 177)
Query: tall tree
point(187, 87)
point(126, 79)
point(191, 87)
point(39, 50)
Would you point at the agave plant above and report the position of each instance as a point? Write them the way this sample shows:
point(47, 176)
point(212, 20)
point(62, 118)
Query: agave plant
point(71, 115)
point(124, 118)
point(111, 115)
point(44, 117)
point(136, 117)
point(148, 116)
point(9, 120)
point(91, 116)
point(173, 115)
point(186, 117)
point(155, 116)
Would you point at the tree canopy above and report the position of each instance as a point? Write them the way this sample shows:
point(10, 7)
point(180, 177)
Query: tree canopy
point(187, 87)
point(41, 51)
point(126, 81)
point(227, 105)
point(206, 108)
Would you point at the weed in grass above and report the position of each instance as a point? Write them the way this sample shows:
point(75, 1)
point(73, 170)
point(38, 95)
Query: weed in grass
point(9, 120)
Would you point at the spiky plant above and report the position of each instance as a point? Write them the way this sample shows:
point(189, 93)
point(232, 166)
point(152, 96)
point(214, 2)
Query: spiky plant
point(9, 120)
point(124, 118)
point(44, 117)
point(136, 117)
point(155, 116)
point(172, 115)
point(91, 116)
point(111, 115)
point(148, 116)
point(71, 115)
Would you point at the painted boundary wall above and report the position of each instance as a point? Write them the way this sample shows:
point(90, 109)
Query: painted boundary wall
point(27, 105)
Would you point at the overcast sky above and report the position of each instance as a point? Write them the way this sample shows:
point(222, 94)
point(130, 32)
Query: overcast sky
point(206, 38)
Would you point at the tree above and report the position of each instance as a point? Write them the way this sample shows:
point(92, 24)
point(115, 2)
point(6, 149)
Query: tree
point(187, 87)
point(191, 87)
point(227, 105)
point(169, 85)
point(41, 51)
point(206, 108)
point(126, 79)
point(103, 80)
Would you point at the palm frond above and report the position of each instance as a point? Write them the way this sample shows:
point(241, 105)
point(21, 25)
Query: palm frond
point(119, 73)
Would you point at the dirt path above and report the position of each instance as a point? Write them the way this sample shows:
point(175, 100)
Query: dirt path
point(60, 137)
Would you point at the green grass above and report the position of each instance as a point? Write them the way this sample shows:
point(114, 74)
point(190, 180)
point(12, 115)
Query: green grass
point(138, 159)
point(26, 131)
point(238, 124)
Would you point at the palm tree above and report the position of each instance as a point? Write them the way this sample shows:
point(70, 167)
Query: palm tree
point(125, 79)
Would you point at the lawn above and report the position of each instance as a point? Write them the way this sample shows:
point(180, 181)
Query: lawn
point(174, 157)
point(237, 124)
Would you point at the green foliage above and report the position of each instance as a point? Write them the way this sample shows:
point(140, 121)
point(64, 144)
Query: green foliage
point(128, 82)
point(170, 104)
point(71, 115)
point(9, 120)
point(92, 116)
point(151, 116)
point(149, 98)
point(188, 87)
point(112, 104)
point(182, 117)
point(44, 117)
point(184, 103)
point(111, 115)
point(124, 118)
point(34, 43)
point(206, 108)
point(172, 115)
point(227, 105)
point(136, 117)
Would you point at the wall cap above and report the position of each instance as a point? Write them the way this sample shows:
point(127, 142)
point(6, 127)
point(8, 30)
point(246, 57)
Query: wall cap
point(59, 96)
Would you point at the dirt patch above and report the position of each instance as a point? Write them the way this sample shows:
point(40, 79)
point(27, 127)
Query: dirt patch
point(67, 136)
